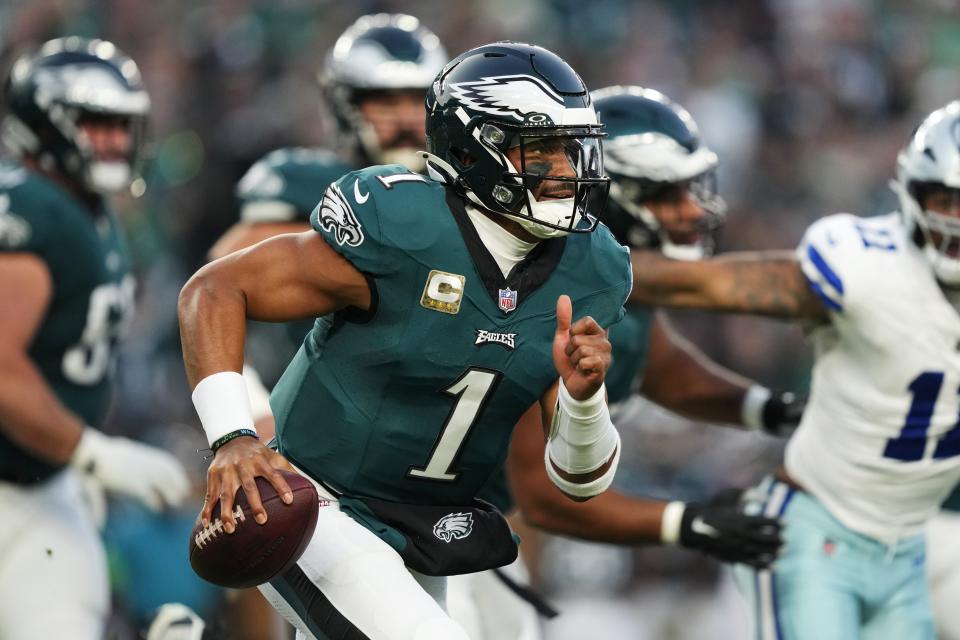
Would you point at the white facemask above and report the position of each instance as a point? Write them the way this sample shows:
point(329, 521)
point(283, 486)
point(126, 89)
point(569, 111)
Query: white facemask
point(554, 211)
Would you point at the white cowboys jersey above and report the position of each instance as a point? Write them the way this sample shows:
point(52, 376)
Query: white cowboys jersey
point(879, 443)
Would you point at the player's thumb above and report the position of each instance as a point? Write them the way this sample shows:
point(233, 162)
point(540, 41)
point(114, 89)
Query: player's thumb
point(564, 314)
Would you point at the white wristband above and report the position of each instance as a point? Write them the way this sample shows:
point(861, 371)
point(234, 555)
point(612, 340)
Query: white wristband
point(583, 489)
point(751, 408)
point(223, 405)
point(670, 522)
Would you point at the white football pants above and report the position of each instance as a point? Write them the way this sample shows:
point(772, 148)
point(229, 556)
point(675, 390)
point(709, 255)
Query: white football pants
point(351, 585)
point(53, 569)
point(488, 610)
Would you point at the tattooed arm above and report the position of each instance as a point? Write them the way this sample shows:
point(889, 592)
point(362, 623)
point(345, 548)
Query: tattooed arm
point(764, 283)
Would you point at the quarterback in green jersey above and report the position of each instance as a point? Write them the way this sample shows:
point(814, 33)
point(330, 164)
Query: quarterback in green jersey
point(75, 114)
point(452, 303)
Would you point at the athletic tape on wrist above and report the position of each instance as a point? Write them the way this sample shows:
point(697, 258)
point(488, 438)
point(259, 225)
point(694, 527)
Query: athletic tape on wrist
point(751, 408)
point(222, 404)
point(670, 522)
point(584, 489)
point(582, 437)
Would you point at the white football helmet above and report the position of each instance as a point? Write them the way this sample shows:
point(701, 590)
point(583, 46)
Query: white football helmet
point(929, 166)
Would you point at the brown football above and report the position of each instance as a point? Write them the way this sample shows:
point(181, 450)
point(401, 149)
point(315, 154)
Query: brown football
point(253, 553)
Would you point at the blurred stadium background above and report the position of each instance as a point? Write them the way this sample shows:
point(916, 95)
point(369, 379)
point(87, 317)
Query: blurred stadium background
point(806, 102)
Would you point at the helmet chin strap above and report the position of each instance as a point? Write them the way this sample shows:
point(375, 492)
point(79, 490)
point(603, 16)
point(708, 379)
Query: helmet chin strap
point(554, 209)
point(108, 177)
point(441, 170)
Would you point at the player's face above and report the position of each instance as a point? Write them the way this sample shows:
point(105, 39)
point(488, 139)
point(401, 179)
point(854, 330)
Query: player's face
point(943, 200)
point(109, 136)
point(397, 117)
point(543, 157)
point(679, 213)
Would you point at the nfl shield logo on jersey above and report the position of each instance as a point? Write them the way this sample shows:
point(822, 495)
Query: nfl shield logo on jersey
point(508, 300)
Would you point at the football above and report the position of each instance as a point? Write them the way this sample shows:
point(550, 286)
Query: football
point(253, 553)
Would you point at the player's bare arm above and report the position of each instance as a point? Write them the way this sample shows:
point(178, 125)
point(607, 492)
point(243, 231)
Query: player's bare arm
point(30, 413)
point(686, 381)
point(287, 277)
point(615, 518)
point(767, 283)
point(246, 234)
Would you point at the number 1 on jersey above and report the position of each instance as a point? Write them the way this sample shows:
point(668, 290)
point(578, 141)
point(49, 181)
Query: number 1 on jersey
point(471, 392)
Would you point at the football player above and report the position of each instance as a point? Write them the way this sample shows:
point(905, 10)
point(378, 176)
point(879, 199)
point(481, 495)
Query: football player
point(664, 201)
point(449, 306)
point(878, 448)
point(374, 81)
point(75, 116)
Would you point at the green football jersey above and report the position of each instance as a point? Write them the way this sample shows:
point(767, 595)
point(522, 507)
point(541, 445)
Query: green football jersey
point(415, 400)
point(284, 186)
point(91, 305)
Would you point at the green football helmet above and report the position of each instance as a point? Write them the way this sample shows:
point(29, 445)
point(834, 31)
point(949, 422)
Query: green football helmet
point(377, 53)
point(48, 93)
point(506, 100)
point(653, 146)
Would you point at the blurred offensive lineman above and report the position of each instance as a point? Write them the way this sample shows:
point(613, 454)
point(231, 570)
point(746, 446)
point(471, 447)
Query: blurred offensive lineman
point(75, 116)
point(663, 200)
point(408, 275)
point(878, 448)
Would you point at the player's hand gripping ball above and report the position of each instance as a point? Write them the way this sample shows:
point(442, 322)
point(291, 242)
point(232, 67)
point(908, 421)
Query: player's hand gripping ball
point(255, 553)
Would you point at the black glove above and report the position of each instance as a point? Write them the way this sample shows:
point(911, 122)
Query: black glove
point(720, 529)
point(782, 413)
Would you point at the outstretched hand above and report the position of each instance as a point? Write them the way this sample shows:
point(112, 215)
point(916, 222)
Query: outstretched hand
point(581, 351)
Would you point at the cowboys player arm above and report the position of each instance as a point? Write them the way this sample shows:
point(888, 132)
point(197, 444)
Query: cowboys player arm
point(769, 283)
point(716, 527)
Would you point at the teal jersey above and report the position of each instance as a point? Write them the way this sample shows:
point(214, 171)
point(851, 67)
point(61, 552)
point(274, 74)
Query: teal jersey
point(91, 304)
point(630, 339)
point(284, 186)
point(415, 400)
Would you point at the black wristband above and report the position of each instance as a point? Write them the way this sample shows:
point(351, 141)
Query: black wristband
point(233, 435)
